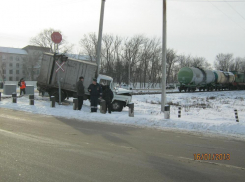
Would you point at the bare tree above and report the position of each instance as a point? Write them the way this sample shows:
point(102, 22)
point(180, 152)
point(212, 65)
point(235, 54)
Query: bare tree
point(223, 61)
point(237, 64)
point(31, 63)
point(43, 39)
point(171, 60)
point(88, 44)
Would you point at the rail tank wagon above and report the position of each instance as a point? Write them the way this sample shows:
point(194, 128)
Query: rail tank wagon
point(222, 77)
point(191, 78)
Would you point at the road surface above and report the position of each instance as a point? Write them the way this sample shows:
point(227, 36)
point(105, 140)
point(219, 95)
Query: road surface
point(50, 149)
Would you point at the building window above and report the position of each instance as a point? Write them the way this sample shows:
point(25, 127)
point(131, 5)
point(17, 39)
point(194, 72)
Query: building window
point(10, 78)
point(17, 58)
point(10, 64)
point(17, 78)
point(17, 65)
point(11, 58)
point(4, 71)
point(17, 72)
point(10, 71)
point(23, 71)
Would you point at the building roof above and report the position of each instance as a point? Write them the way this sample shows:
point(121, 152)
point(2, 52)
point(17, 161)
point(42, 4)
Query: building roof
point(33, 47)
point(10, 50)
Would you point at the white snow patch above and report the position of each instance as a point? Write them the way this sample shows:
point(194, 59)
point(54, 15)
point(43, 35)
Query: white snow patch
point(211, 112)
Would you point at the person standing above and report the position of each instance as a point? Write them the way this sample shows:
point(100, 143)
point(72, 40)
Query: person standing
point(95, 92)
point(22, 87)
point(80, 92)
point(108, 96)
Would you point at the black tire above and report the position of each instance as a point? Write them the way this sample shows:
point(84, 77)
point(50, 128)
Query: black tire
point(55, 92)
point(117, 106)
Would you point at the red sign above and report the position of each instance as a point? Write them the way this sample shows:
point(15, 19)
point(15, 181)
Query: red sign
point(59, 66)
point(56, 37)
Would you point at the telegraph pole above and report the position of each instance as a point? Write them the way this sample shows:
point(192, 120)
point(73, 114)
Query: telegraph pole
point(100, 35)
point(164, 50)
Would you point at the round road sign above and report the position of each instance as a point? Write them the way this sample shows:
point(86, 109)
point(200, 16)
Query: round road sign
point(56, 37)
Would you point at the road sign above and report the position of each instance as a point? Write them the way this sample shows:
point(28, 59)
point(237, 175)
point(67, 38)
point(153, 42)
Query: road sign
point(56, 37)
point(59, 66)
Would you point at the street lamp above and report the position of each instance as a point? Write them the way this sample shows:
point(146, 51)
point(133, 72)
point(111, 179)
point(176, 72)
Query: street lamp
point(100, 36)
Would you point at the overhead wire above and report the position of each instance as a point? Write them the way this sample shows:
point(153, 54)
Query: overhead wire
point(235, 10)
point(226, 14)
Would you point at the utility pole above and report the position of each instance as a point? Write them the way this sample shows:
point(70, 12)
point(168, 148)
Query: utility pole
point(164, 45)
point(100, 36)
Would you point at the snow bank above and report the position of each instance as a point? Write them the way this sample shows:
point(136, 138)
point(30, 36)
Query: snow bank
point(211, 112)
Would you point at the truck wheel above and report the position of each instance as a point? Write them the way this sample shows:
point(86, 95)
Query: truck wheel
point(117, 106)
point(56, 94)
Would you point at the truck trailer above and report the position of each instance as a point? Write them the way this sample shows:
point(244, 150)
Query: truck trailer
point(47, 80)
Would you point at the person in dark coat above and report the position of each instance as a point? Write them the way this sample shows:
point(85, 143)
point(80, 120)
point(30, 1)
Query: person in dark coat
point(80, 92)
point(107, 96)
point(95, 92)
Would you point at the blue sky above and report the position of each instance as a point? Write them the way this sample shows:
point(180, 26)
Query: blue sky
point(197, 27)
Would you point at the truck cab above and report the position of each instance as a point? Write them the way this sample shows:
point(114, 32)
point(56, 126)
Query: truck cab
point(122, 97)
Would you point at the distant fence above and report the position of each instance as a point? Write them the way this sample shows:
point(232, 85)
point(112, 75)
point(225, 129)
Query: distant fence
point(33, 83)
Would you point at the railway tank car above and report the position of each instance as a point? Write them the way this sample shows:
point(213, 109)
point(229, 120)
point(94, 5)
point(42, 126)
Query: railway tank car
point(192, 78)
point(223, 80)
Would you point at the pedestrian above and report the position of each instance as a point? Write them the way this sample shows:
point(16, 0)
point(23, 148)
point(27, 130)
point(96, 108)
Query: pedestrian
point(22, 86)
point(95, 92)
point(107, 96)
point(80, 92)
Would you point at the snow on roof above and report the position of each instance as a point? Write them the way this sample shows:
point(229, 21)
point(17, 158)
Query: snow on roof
point(10, 50)
point(80, 57)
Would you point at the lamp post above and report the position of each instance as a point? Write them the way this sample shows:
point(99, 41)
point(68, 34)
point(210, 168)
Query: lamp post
point(164, 45)
point(100, 36)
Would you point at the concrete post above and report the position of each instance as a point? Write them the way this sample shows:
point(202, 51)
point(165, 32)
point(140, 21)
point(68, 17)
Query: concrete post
point(102, 106)
point(167, 112)
point(131, 110)
point(52, 99)
point(31, 99)
point(98, 51)
point(14, 97)
point(164, 59)
point(75, 104)
point(0, 96)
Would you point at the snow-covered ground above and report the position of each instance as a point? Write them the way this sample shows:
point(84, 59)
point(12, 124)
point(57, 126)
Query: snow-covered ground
point(211, 112)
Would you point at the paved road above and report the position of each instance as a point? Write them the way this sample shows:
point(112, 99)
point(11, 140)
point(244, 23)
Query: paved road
point(44, 148)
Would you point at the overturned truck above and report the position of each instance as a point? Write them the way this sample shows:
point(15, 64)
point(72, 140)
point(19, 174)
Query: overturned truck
point(47, 80)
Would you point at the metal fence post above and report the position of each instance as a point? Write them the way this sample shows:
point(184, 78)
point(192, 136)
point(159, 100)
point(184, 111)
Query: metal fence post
point(31, 99)
point(75, 104)
point(14, 97)
point(131, 110)
point(179, 112)
point(236, 115)
point(0, 95)
point(52, 99)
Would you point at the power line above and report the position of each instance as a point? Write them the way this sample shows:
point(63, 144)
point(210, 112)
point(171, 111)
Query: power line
point(225, 14)
point(235, 10)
